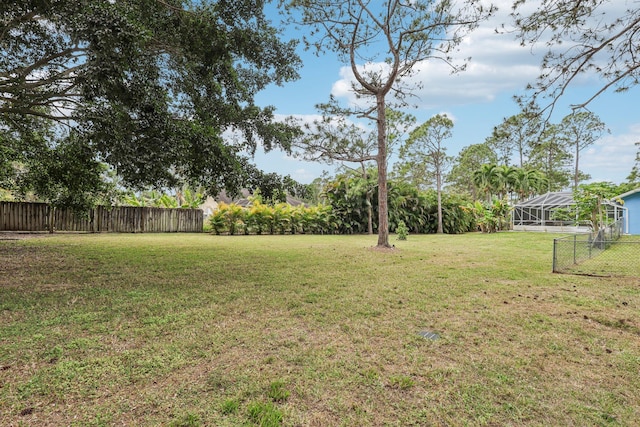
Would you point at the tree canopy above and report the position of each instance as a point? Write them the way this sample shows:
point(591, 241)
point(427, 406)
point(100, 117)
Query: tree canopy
point(469, 160)
point(601, 37)
point(161, 91)
point(519, 132)
point(580, 130)
point(634, 175)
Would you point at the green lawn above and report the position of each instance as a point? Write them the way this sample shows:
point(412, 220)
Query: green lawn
point(621, 258)
point(189, 330)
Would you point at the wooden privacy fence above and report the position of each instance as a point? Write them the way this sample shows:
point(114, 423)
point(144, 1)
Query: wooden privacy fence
point(15, 216)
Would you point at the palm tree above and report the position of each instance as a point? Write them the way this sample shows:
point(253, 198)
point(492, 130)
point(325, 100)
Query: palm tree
point(528, 182)
point(504, 180)
point(485, 179)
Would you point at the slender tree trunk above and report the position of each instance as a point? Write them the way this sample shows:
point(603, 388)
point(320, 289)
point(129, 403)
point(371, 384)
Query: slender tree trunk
point(383, 209)
point(369, 204)
point(439, 191)
point(549, 167)
point(370, 213)
point(576, 172)
point(521, 149)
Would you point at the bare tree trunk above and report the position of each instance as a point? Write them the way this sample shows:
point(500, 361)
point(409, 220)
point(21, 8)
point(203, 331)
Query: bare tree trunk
point(369, 204)
point(439, 191)
point(577, 171)
point(549, 167)
point(521, 155)
point(383, 209)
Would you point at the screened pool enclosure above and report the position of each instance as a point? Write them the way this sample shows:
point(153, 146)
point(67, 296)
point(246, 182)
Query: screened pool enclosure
point(556, 212)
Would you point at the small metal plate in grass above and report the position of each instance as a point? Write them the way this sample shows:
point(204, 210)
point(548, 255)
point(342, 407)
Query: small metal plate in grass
point(429, 335)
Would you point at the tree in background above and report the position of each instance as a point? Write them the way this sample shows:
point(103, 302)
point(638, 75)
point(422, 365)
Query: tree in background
point(382, 42)
point(469, 160)
point(498, 181)
point(314, 190)
point(486, 180)
point(519, 133)
point(504, 180)
point(495, 180)
point(147, 87)
point(580, 130)
point(417, 209)
point(527, 183)
point(551, 156)
point(426, 156)
point(184, 197)
point(29, 135)
point(589, 199)
point(548, 147)
point(501, 144)
point(350, 193)
point(634, 175)
point(65, 175)
point(271, 187)
point(581, 39)
point(336, 139)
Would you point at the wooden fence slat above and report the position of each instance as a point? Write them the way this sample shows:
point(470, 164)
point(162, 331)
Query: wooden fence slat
point(23, 216)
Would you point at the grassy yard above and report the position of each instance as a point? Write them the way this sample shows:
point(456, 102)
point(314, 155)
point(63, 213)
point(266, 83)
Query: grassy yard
point(621, 258)
point(190, 330)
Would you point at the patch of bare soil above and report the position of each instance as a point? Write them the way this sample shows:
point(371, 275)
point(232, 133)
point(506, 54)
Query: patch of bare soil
point(32, 266)
point(16, 235)
point(383, 249)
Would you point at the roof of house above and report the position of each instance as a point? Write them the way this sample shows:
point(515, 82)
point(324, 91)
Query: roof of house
point(564, 198)
point(628, 193)
point(560, 198)
point(243, 198)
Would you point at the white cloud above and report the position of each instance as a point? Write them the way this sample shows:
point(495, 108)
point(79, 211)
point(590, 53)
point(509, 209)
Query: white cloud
point(302, 175)
point(498, 64)
point(612, 157)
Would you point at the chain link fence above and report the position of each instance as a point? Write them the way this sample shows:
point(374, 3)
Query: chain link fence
point(605, 253)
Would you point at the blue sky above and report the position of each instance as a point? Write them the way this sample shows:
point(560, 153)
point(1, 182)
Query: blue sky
point(477, 100)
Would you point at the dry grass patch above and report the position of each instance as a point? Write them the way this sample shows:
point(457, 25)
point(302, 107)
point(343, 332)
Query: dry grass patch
point(311, 330)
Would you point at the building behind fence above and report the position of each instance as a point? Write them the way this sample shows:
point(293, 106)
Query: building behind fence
point(16, 216)
point(603, 253)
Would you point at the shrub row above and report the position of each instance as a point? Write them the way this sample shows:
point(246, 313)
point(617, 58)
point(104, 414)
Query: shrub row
point(259, 218)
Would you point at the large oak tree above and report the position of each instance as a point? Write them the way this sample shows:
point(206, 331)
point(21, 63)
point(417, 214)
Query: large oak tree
point(149, 87)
